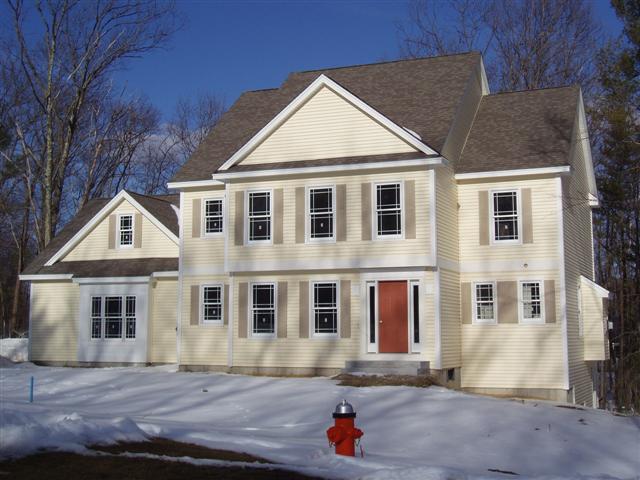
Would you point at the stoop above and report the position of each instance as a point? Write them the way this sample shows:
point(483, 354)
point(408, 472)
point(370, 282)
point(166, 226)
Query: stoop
point(387, 367)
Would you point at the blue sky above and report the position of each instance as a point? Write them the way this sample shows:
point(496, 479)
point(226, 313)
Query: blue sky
point(227, 47)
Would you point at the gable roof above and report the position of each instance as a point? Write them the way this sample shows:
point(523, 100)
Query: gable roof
point(160, 206)
point(409, 93)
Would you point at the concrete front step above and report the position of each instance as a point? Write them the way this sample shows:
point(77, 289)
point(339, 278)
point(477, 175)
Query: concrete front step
point(387, 367)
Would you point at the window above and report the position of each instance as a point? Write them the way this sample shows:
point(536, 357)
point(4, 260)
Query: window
point(531, 302)
point(263, 309)
point(325, 309)
point(259, 216)
point(388, 210)
point(213, 214)
point(321, 213)
point(96, 317)
point(130, 317)
point(211, 304)
point(125, 231)
point(505, 216)
point(484, 303)
point(113, 317)
point(415, 311)
point(371, 287)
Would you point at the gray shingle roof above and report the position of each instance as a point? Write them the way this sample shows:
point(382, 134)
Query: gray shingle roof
point(136, 267)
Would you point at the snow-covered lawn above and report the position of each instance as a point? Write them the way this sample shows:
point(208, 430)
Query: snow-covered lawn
point(15, 349)
point(410, 433)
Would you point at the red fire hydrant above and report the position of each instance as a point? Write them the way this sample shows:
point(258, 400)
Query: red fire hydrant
point(344, 433)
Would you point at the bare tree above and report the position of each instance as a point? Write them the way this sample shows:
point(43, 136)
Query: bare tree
point(193, 120)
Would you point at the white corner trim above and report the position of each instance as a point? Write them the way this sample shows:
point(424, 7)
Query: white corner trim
point(98, 217)
point(306, 94)
point(193, 184)
point(519, 172)
point(168, 274)
point(600, 291)
point(103, 280)
point(437, 322)
point(483, 78)
point(563, 286)
point(180, 278)
point(433, 214)
point(583, 138)
point(43, 277)
point(30, 345)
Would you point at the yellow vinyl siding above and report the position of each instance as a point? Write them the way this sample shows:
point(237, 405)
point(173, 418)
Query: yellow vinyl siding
point(202, 251)
point(594, 339)
point(447, 214)
point(326, 126)
point(95, 245)
point(163, 309)
point(54, 321)
point(451, 340)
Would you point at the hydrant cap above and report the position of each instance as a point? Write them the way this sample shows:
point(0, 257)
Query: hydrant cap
point(344, 410)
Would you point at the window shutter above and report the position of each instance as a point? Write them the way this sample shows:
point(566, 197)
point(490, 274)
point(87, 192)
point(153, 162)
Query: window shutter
point(507, 302)
point(226, 305)
point(238, 224)
point(410, 209)
point(195, 305)
point(341, 213)
point(196, 220)
point(300, 214)
point(282, 309)
point(366, 211)
point(304, 310)
point(483, 216)
point(278, 211)
point(112, 231)
point(465, 294)
point(549, 301)
point(527, 223)
point(345, 309)
point(137, 233)
point(243, 292)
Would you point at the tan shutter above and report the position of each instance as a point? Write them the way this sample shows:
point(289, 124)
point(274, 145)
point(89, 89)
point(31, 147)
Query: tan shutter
point(300, 214)
point(341, 213)
point(507, 302)
point(112, 231)
point(238, 223)
point(195, 305)
point(304, 310)
point(226, 305)
point(137, 232)
point(465, 294)
point(282, 309)
point(345, 309)
point(483, 216)
point(196, 218)
point(366, 210)
point(278, 211)
point(549, 301)
point(527, 222)
point(410, 209)
point(243, 292)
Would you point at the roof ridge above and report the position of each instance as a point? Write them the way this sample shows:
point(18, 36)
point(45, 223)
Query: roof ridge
point(160, 198)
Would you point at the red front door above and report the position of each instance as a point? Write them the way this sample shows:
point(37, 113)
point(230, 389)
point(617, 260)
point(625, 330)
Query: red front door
point(393, 323)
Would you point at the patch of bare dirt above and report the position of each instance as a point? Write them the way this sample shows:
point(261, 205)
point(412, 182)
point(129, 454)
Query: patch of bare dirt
point(421, 381)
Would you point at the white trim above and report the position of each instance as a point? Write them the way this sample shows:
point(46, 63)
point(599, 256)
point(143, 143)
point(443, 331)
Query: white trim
point(194, 184)
point(326, 263)
point(418, 162)
point(230, 312)
point(203, 219)
point(44, 277)
point(119, 244)
point(227, 231)
point(585, 144)
point(180, 279)
point(30, 345)
point(307, 93)
point(374, 206)
point(201, 320)
point(531, 321)
point(437, 363)
point(98, 217)
point(415, 347)
point(513, 173)
point(111, 280)
point(312, 323)
point(483, 79)
point(600, 291)
point(247, 223)
point(307, 214)
point(201, 270)
point(368, 346)
point(250, 331)
point(492, 218)
point(433, 214)
point(494, 300)
point(490, 266)
point(168, 274)
point(562, 287)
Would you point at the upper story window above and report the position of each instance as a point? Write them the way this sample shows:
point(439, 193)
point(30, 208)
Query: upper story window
point(263, 309)
point(531, 302)
point(125, 231)
point(388, 210)
point(259, 216)
point(505, 216)
point(211, 302)
point(484, 303)
point(321, 224)
point(213, 216)
point(325, 308)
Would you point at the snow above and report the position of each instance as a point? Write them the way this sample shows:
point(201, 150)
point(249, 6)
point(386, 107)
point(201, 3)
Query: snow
point(410, 433)
point(15, 349)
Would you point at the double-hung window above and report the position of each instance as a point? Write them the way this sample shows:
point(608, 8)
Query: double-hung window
point(321, 214)
point(505, 216)
point(113, 317)
point(211, 304)
point(213, 216)
point(263, 309)
point(531, 307)
point(325, 308)
point(130, 317)
point(389, 210)
point(484, 303)
point(259, 216)
point(125, 230)
point(96, 317)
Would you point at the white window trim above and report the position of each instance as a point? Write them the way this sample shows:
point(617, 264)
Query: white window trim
point(374, 207)
point(475, 320)
point(307, 209)
point(267, 336)
point(133, 230)
point(415, 347)
point(103, 318)
point(492, 227)
point(214, 323)
point(531, 321)
point(312, 325)
point(247, 233)
point(203, 218)
point(371, 347)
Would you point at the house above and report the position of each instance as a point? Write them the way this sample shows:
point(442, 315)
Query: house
point(393, 215)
